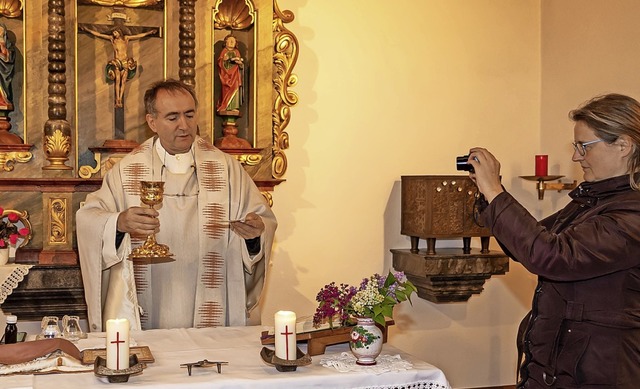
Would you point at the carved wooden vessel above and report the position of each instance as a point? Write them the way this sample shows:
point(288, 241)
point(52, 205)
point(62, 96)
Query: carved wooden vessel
point(445, 207)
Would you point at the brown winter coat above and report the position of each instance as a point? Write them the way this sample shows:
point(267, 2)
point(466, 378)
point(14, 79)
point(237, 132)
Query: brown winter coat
point(584, 326)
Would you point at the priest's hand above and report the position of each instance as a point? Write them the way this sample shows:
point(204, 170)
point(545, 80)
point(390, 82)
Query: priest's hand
point(139, 221)
point(250, 228)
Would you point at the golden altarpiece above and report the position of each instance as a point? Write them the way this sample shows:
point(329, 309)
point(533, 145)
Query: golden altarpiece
point(72, 79)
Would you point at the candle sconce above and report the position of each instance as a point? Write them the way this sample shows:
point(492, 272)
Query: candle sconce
point(543, 185)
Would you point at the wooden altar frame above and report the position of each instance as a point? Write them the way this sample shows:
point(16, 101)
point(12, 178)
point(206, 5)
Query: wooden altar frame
point(275, 55)
point(47, 182)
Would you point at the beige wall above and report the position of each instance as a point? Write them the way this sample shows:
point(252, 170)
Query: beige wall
point(391, 90)
point(387, 91)
point(586, 51)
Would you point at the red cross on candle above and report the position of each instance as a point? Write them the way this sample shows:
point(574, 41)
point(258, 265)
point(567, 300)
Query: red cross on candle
point(286, 334)
point(117, 342)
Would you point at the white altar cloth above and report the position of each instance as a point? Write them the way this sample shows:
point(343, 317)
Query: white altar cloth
point(240, 347)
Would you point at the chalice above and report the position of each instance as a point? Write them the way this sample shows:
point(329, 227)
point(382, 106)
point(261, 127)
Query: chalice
point(151, 251)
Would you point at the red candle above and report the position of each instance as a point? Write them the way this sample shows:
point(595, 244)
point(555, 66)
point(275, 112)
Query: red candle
point(542, 164)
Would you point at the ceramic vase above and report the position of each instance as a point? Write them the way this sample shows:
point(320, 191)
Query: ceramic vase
point(4, 256)
point(366, 341)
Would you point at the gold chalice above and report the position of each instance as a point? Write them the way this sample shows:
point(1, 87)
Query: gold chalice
point(151, 194)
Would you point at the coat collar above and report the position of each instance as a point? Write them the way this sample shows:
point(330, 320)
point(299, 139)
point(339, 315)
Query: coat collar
point(601, 189)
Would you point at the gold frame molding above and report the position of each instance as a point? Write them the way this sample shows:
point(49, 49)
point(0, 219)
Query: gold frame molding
point(24, 219)
point(285, 56)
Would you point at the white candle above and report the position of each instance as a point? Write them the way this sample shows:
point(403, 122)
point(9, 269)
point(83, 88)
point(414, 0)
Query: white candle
point(117, 344)
point(285, 335)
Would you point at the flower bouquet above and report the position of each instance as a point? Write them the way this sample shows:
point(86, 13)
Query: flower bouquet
point(374, 298)
point(367, 307)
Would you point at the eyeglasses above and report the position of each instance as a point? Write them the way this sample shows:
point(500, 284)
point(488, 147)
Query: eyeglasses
point(581, 147)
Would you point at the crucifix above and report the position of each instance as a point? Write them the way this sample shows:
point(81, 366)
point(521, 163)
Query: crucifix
point(122, 67)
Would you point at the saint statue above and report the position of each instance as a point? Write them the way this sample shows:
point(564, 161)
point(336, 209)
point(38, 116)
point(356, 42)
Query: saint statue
point(122, 67)
point(7, 62)
point(230, 66)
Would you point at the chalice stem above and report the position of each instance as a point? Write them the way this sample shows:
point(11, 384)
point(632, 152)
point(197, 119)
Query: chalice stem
point(151, 241)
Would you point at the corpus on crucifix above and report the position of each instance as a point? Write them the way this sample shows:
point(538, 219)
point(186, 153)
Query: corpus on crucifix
point(122, 67)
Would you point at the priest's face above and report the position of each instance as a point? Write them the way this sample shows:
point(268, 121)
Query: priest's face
point(175, 120)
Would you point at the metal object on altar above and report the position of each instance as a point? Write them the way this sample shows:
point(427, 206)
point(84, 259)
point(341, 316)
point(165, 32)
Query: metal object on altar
point(151, 193)
point(71, 328)
point(284, 365)
point(117, 376)
point(204, 363)
point(50, 328)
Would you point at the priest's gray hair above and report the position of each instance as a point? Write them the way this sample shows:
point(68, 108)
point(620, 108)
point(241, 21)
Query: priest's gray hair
point(170, 85)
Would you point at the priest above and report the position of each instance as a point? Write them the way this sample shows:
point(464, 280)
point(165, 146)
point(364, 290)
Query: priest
point(214, 219)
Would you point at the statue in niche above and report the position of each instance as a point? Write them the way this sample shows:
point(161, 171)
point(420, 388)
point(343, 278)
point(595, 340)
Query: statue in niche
point(231, 74)
point(7, 64)
point(122, 67)
point(230, 68)
point(7, 68)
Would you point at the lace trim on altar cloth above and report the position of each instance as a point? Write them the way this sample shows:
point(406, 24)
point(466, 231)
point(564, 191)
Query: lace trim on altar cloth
point(346, 362)
point(10, 277)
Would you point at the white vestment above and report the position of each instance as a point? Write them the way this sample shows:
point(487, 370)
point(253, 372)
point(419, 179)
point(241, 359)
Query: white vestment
point(213, 281)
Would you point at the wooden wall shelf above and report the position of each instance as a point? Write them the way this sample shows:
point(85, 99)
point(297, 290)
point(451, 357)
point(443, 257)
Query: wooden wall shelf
point(450, 275)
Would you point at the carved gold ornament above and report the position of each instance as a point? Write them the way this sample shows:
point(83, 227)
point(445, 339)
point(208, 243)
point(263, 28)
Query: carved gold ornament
point(122, 3)
point(233, 14)
point(9, 159)
point(285, 56)
point(57, 221)
point(57, 144)
point(249, 159)
point(11, 8)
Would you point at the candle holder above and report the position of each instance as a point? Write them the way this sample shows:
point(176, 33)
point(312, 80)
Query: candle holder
point(284, 365)
point(543, 185)
point(117, 376)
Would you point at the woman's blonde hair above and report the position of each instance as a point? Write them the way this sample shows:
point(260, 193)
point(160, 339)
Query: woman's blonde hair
point(610, 116)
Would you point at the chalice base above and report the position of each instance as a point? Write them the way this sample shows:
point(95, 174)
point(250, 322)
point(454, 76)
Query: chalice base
point(151, 252)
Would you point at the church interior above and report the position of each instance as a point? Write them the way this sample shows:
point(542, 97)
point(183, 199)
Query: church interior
point(343, 100)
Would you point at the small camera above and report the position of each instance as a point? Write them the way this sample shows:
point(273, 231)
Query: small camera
point(462, 164)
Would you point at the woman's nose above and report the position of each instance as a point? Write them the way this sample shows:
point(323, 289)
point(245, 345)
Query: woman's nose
point(576, 156)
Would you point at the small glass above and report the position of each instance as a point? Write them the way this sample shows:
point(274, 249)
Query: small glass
point(50, 328)
point(72, 330)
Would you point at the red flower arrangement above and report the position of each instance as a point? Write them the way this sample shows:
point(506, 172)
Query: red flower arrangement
point(9, 231)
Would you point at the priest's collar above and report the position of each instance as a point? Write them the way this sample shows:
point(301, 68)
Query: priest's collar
point(177, 163)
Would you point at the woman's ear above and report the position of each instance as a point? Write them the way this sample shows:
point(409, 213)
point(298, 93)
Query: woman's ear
point(626, 145)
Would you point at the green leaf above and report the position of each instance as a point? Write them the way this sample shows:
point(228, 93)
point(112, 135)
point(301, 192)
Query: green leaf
point(390, 280)
point(380, 320)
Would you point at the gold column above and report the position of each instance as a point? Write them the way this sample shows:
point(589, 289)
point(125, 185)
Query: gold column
point(57, 130)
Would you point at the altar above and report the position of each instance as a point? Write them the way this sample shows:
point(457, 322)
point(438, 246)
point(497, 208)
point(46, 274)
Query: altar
point(240, 347)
